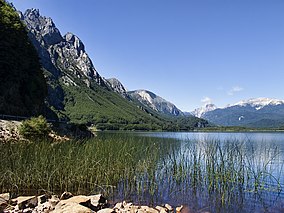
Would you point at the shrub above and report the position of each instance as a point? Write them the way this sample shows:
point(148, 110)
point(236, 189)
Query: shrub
point(34, 127)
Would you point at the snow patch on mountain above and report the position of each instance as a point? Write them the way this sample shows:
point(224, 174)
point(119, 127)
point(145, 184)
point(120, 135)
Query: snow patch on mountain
point(258, 103)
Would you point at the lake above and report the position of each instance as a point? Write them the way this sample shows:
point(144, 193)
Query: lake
point(205, 172)
point(215, 172)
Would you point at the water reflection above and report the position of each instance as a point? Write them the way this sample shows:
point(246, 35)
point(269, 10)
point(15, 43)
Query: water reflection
point(216, 172)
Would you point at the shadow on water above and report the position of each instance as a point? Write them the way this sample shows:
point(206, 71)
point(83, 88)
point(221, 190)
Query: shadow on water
point(203, 173)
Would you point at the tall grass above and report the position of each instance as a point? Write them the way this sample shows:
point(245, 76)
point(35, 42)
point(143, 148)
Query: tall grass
point(77, 166)
point(210, 172)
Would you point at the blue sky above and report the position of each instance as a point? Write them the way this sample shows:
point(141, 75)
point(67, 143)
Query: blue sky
point(187, 51)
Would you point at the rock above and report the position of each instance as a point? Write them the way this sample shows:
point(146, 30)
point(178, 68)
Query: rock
point(81, 199)
point(42, 199)
point(126, 205)
point(157, 103)
point(3, 204)
point(106, 210)
point(5, 196)
point(72, 207)
point(26, 202)
point(161, 209)
point(66, 195)
point(43, 208)
point(149, 209)
point(91, 202)
point(169, 207)
point(98, 202)
point(179, 208)
point(53, 201)
point(118, 206)
point(117, 86)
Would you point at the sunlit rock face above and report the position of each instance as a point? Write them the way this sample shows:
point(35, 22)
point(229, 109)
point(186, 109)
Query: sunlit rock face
point(155, 102)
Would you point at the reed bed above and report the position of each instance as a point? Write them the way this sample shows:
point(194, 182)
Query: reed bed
point(144, 169)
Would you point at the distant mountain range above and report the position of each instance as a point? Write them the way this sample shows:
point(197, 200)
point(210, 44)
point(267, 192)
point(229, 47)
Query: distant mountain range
point(258, 113)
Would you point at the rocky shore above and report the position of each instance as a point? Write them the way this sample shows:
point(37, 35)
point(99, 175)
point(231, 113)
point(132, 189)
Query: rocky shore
point(67, 203)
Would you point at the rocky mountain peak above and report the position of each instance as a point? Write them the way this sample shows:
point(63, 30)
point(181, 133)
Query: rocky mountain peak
point(155, 102)
point(117, 86)
point(32, 14)
point(43, 26)
point(62, 56)
point(75, 41)
point(200, 112)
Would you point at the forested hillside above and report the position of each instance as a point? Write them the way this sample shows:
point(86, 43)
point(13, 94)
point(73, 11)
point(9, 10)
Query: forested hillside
point(22, 87)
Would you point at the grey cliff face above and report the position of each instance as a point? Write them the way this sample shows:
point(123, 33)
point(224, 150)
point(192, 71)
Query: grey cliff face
point(155, 102)
point(117, 86)
point(70, 55)
point(65, 57)
point(42, 26)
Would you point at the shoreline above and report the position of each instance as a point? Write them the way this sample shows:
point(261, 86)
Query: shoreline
point(76, 204)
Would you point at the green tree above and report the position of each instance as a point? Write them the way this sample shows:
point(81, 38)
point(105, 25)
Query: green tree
point(22, 84)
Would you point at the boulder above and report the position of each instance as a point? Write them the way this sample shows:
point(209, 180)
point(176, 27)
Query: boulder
point(92, 202)
point(149, 209)
point(169, 207)
point(161, 209)
point(72, 207)
point(3, 204)
point(106, 210)
point(118, 206)
point(5, 196)
point(53, 201)
point(24, 202)
point(98, 202)
point(179, 208)
point(66, 195)
point(42, 199)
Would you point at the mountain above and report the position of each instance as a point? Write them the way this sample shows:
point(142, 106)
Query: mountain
point(155, 102)
point(23, 87)
point(257, 113)
point(117, 86)
point(78, 93)
point(200, 112)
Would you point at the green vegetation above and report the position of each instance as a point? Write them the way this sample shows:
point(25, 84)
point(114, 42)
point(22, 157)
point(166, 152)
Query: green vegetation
point(147, 168)
point(76, 166)
point(23, 87)
point(109, 111)
point(35, 127)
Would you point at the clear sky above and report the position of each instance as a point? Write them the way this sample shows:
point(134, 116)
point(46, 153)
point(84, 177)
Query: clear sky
point(186, 51)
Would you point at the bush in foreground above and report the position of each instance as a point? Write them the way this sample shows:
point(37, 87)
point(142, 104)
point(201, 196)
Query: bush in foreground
point(34, 127)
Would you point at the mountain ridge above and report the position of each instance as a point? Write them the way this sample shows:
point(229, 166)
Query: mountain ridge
point(77, 92)
point(254, 112)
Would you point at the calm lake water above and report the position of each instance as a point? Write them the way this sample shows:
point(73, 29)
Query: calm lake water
point(215, 172)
